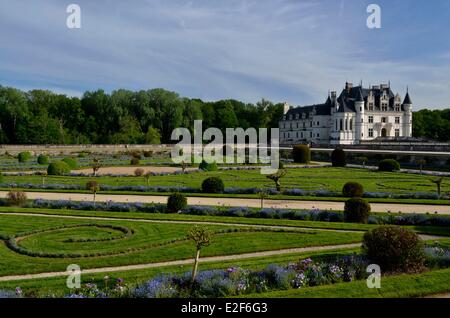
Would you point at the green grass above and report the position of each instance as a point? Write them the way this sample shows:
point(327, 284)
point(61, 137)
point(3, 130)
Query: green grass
point(149, 243)
point(399, 286)
point(328, 178)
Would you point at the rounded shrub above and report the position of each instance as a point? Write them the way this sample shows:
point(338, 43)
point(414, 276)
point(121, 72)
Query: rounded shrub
point(24, 156)
point(93, 186)
point(134, 161)
point(58, 168)
point(148, 154)
point(139, 172)
point(301, 154)
point(353, 190)
point(208, 166)
point(338, 158)
point(213, 185)
point(42, 159)
point(394, 249)
point(176, 202)
point(388, 165)
point(16, 198)
point(71, 162)
point(356, 210)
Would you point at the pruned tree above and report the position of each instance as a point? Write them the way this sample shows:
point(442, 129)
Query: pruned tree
point(276, 177)
point(184, 165)
point(263, 194)
point(96, 166)
point(147, 177)
point(363, 161)
point(94, 187)
point(438, 183)
point(421, 163)
point(202, 238)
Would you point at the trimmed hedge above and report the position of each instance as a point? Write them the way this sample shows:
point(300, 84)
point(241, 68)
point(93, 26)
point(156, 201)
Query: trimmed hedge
point(42, 160)
point(301, 154)
point(213, 185)
point(208, 166)
point(16, 198)
point(176, 202)
point(389, 165)
point(394, 249)
point(338, 158)
point(58, 168)
point(24, 156)
point(353, 190)
point(356, 210)
point(71, 162)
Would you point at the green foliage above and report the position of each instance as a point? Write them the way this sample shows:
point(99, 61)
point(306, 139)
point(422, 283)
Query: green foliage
point(58, 168)
point(213, 185)
point(301, 154)
point(352, 190)
point(388, 165)
point(1, 177)
point(16, 198)
point(134, 161)
point(432, 124)
point(42, 159)
point(71, 162)
point(356, 210)
point(208, 166)
point(152, 136)
point(338, 158)
point(176, 202)
point(394, 249)
point(24, 156)
point(93, 186)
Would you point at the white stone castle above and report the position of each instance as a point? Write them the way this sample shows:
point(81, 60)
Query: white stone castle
point(358, 114)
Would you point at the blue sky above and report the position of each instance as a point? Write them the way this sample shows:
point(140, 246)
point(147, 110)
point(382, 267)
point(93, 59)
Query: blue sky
point(282, 50)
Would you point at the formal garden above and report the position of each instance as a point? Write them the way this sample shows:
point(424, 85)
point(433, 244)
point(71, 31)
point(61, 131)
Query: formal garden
point(175, 249)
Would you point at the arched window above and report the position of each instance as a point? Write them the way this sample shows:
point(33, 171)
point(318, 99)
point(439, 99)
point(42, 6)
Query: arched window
point(351, 124)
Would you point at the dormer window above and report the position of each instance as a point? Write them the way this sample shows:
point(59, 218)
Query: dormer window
point(370, 106)
point(397, 107)
point(384, 107)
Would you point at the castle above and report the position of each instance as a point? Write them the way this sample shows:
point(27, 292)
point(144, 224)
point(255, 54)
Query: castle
point(358, 114)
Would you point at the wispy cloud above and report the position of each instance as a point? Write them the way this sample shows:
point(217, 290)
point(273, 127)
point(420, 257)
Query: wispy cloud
point(245, 49)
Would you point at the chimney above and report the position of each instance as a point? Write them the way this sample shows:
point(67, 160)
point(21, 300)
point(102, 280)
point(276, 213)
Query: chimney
point(333, 95)
point(348, 86)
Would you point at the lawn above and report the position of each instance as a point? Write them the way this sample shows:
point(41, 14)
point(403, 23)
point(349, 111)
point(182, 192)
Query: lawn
point(326, 178)
point(98, 243)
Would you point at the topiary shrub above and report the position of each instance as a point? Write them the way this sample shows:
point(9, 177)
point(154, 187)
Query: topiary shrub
point(148, 154)
point(356, 210)
point(213, 185)
point(139, 172)
point(134, 161)
point(388, 165)
point(394, 249)
point(338, 158)
point(301, 154)
point(176, 202)
point(42, 160)
point(16, 198)
point(71, 162)
point(58, 168)
point(24, 156)
point(353, 190)
point(208, 166)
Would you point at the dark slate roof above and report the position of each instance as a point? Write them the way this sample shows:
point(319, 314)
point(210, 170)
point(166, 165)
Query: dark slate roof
point(407, 99)
point(346, 101)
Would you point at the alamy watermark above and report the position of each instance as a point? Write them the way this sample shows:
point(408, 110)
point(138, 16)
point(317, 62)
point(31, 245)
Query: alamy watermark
point(240, 146)
point(374, 19)
point(74, 19)
point(74, 276)
point(374, 279)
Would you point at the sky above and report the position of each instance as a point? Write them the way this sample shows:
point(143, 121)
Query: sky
point(281, 50)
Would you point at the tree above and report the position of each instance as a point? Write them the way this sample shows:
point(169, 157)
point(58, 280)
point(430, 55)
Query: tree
point(421, 163)
point(96, 166)
point(438, 183)
point(152, 136)
point(263, 194)
point(94, 187)
point(276, 177)
point(147, 177)
point(184, 165)
point(202, 238)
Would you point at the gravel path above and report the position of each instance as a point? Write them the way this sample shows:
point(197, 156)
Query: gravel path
point(255, 203)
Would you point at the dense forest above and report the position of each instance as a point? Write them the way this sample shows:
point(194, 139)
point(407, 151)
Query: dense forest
point(43, 117)
point(128, 117)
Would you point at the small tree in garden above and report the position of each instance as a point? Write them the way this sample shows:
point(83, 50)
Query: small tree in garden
point(95, 166)
point(438, 183)
point(301, 154)
point(147, 178)
point(389, 165)
point(42, 159)
point(184, 165)
point(202, 238)
point(176, 202)
point(139, 172)
point(16, 198)
point(263, 194)
point(44, 177)
point(94, 187)
point(24, 156)
point(353, 190)
point(356, 210)
point(421, 163)
point(276, 177)
point(338, 158)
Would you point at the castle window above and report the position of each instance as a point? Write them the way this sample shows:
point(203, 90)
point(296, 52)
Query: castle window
point(341, 125)
point(311, 134)
point(318, 135)
point(397, 107)
point(318, 123)
point(384, 120)
point(397, 133)
point(397, 120)
point(310, 124)
point(370, 132)
point(346, 124)
point(351, 124)
point(370, 106)
point(384, 107)
point(304, 125)
point(370, 119)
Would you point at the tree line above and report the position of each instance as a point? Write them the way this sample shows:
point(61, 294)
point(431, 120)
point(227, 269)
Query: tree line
point(121, 117)
point(432, 124)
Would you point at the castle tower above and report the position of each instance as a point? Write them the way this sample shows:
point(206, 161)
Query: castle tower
point(407, 115)
point(359, 124)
